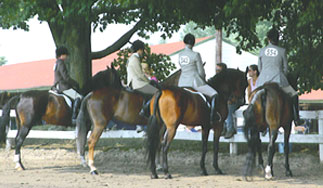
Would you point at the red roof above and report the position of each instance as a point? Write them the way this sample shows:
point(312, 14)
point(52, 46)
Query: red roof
point(313, 95)
point(40, 73)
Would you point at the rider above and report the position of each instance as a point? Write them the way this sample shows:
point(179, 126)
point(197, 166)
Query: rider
point(136, 78)
point(272, 64)
point(193, 74)
point(63, 82)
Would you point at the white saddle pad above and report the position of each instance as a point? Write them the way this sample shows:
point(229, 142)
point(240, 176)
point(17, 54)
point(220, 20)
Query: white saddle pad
point(67, 100)
point(200, 94)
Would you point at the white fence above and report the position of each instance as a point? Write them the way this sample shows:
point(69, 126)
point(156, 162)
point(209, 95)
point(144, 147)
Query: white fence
point(185, 135)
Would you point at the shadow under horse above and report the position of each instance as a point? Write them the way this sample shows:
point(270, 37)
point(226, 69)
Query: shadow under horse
point(270, 107)
point(173, 106)
point(39, 107)
point(110, 103)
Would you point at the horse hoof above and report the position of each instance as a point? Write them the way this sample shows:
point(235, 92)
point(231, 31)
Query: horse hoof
point(94, 172)
point(168, 176)
point(289, 173)
point(268, 174)
point(154, 176)
point(204, 173)
point(20, 169)
point(219, 172)
point(247, 178)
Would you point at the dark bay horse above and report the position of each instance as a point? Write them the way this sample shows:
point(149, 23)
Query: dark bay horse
point(110, 103)
point(270, 107)
point(174, 105)
point(41, 107)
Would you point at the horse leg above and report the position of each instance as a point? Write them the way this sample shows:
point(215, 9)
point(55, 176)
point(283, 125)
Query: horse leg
point(94, 137)
point(216, 138)
point(170, 134)
point(271, 151)
point(159, 165)
point(82, 131)
point(286, 151)
point(23, 132)
point(253, 145)
point(259, 151)
point(205, 136)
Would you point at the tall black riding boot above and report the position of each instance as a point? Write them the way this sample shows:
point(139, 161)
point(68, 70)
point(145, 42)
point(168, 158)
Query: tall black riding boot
point(214, 116)
point(76, 106)
point(297, 120)
point(145, 112)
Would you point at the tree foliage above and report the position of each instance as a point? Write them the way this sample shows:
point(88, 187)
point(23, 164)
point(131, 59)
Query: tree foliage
point(160, 64)
point(72, 22)
point(2, 61)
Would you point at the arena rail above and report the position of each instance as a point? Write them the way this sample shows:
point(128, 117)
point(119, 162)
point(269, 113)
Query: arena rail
point(185, 135)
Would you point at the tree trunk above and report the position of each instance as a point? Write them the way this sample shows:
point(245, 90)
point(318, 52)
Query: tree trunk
point(80, 61)
point(75, 35)
point(218, 46)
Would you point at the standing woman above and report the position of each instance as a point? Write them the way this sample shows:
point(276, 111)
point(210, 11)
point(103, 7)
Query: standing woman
point(253, 73)
point(193, 74)
point(272, 64)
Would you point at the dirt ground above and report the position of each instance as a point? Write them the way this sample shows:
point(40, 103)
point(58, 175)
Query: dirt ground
point(58, 166)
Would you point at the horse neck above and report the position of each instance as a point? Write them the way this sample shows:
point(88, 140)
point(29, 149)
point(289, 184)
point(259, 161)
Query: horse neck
point(172, 80)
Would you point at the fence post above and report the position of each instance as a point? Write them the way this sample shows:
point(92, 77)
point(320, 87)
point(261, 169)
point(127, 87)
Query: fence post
point(233, 148)
point(320, 121)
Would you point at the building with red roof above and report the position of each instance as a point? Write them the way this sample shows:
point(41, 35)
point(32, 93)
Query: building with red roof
point(38, 74)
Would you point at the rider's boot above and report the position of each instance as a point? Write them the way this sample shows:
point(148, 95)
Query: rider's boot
point(297, 120)
point(145, 112)
point(214, 116)
point(76, 106)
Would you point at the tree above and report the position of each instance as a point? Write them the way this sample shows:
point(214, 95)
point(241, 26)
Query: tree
point(2, 61)
point(159, 63)
point(72, 22)
point(299, 21)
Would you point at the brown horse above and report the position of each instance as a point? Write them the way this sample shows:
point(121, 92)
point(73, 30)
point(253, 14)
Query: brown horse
point(103, 105)
point(41, 107)
point(269, 107)
point(174, 105)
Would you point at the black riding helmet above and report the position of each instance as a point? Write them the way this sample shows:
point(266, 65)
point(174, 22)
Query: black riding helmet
point(189, 39)
point(273, 35)
point(61, 51)
point(137, 45)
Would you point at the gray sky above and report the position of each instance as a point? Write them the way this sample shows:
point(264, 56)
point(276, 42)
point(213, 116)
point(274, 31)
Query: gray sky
point(19, 46)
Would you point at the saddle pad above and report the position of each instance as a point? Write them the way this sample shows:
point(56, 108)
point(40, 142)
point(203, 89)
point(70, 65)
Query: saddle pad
point(201, 95)
point(67, 99)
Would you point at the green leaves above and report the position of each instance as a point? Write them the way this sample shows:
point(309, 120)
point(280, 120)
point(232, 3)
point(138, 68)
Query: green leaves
point(159, 63)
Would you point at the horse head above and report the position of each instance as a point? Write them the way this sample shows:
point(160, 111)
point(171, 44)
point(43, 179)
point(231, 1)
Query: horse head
point(230, 82)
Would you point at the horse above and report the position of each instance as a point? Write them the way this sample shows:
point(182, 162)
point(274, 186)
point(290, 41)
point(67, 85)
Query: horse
point(38, 107)
point(270, 107)
point(110, 103)
point(173, 105)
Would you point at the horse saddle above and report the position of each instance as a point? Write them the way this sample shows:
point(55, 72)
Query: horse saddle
point(67, 99)
point(193, 91)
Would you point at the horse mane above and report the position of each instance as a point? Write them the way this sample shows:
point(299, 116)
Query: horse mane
point(104, 78)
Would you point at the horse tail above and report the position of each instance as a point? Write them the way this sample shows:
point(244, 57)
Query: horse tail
point(83, 125)
point(251, 130)
point(153, 132)
point(249, 113)
point(4, 121)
